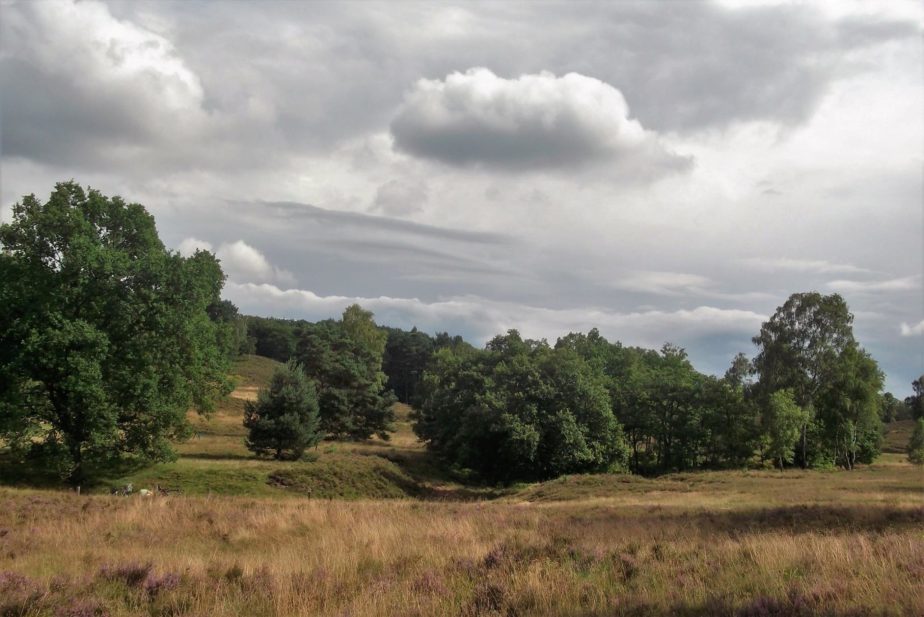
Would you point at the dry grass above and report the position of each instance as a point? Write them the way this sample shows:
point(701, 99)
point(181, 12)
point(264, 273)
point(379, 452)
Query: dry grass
point(897, 435)
point(652, 547)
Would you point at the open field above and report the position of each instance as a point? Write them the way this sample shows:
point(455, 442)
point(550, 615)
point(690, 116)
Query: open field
point(392, 535)
point(723, 545)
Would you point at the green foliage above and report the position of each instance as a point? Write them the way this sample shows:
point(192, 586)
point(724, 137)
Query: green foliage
point(915, 402)
point(233, 336)
point(284, 420)
point(274, 338)
point(518, 410)
point(405, 360)
point(674, 417)
point(107, 338)
point(892, 409)
point(848, 409)
point(916, 444)
point(345, 361)
point(808, 347)
point(782, 422)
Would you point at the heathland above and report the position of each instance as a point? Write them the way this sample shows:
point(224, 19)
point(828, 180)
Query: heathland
point(376, 528)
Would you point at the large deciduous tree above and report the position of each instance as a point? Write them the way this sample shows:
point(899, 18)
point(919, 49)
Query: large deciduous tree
point(803, 347)
point(105, 336)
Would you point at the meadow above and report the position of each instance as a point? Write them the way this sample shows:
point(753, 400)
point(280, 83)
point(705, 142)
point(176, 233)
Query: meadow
point(376, 528)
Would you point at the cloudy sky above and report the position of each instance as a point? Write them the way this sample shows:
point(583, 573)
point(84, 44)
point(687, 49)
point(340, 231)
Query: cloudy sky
point(665, 171)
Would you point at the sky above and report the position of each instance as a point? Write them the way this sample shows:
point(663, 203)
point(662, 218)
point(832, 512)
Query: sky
point(663, 171)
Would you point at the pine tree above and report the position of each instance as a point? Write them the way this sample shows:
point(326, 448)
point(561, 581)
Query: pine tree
point(284, 420)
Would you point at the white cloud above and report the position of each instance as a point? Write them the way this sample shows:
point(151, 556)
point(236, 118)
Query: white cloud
point(913, 330)
point(532, 121)
point(785, 264)
point(897, 284)
point(103, 49)
point(188, 246)
point(245, 264)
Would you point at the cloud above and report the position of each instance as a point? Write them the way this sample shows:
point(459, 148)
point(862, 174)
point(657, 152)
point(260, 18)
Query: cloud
point(913, 330)
point(534, 121)
point(784, 264)
point(397, 198)
point(84, 86)
point(897, 284)
point(303, 213)
point(243, 263)
point(662, 283)
point(185, 107)
point(188, 246)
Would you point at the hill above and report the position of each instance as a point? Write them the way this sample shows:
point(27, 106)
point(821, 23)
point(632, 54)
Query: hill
point(215, 461)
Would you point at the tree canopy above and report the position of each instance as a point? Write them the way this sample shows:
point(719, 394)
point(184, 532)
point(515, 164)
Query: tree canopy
point(106, 336)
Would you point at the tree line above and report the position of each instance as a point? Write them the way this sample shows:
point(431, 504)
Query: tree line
point(108, 338)
point(526, 410)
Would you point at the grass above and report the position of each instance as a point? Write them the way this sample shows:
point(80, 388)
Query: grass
point(233, 556)
point(896, 436)
point(376, 528)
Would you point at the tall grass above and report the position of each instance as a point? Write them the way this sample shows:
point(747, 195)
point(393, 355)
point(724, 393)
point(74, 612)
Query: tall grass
point(241, 556)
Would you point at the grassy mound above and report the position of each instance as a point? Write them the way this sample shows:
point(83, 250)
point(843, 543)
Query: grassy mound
point(253, 371)
point(346, 477)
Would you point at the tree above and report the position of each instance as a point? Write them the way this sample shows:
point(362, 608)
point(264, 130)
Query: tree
point(404, 361)
point(284, 419)
point(518, 411)
point(738, 375)
point(798, 348)
point(848, 409)
point(915, 402)
point(916, 444)
point(892, 409)
point(782, 420)
point(345, 361)
point(106, 335)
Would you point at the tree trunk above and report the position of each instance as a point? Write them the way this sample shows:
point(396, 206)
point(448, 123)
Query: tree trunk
point(804, 446)
point(75, 477)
